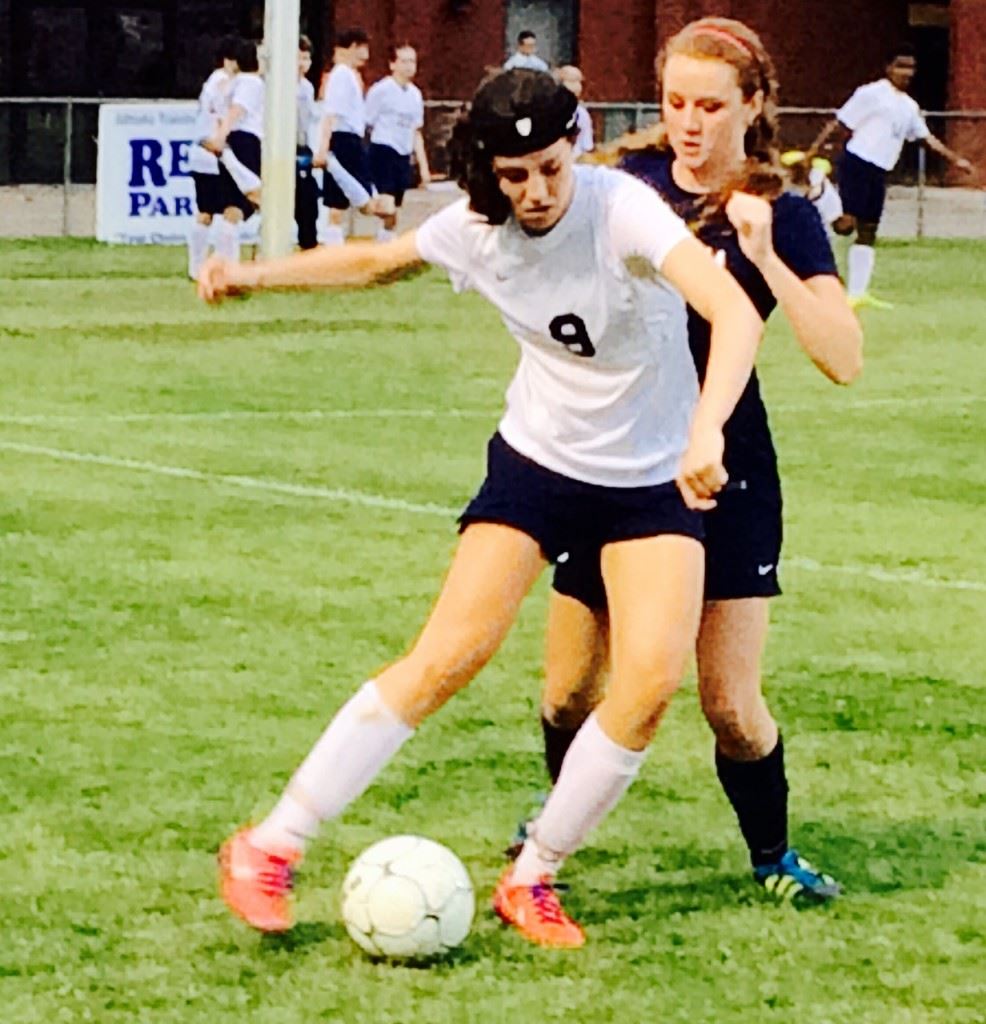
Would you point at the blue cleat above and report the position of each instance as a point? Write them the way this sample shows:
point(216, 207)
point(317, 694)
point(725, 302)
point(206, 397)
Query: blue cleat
point(793, 880)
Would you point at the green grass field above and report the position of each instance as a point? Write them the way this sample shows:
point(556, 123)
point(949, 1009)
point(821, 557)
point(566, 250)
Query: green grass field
point(215, 523)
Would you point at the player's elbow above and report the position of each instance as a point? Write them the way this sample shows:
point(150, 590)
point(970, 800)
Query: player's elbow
point(849, 364)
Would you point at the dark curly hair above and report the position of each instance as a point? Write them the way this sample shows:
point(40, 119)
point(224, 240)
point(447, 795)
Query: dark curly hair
point(502, 99)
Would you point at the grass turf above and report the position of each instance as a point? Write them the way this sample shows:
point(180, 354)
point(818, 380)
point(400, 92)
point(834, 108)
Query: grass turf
point(183, 610)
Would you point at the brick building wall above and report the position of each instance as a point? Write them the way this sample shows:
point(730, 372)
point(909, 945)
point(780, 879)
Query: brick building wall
point(967, 86)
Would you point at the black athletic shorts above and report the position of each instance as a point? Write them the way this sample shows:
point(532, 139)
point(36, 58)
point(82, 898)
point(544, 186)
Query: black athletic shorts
point(350, 151)
point(208, 193)
point(566, 516)
point(862, 188)
point(391, 171)
point(246, 148)
point(743, 535)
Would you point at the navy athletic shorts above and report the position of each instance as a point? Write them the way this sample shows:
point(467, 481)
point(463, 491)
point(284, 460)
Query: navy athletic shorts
point(350, 151)
point(391, 171)
point(862, 187)
point(743, 535)
point(208, 193)
point(566, 516)
point(246, 148)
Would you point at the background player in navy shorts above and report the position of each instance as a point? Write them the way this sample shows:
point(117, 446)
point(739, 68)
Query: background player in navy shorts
point(880, 117)
point(395, 115)
point(719, 94)
point(344, 128)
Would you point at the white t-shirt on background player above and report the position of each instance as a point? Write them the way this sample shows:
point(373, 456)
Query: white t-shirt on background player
point(248, 93)
point(344, 100)
point(882, 119)
point(213, 104)
point(619, 413)
point(394, 113)
point(309, 112)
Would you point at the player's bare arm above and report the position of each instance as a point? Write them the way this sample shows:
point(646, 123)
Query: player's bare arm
point(956, 159)
point(736, 332)
point(355, 265)
point(825, 326)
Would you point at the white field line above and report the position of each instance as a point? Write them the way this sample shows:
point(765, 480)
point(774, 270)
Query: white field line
point(899, 577)
point(336, 494)
point(54, 419)
point(41, 419)
point(835, 405)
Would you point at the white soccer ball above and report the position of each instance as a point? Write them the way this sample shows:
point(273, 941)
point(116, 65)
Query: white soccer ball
point(407, 897)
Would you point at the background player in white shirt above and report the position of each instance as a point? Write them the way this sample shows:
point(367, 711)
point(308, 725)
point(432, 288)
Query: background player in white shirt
point(589, 269)
point(571, 77)
point(526, 54)
point(344, 128)
point(878, 118)
point(203, 164)
point(395, 114)
point(237, 142)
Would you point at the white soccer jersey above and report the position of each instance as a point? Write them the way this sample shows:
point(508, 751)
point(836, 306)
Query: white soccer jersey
point(529, 61)
point(213, 104)
point(882, 119)
point(606, 385)
point(309, 113)
point(344, 101)
point(248, 93)
point(583, 119)
point(394, 113)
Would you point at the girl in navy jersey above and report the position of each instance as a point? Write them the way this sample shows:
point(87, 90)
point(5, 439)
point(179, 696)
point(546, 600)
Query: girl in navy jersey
point(588, 268)
point(718, 132)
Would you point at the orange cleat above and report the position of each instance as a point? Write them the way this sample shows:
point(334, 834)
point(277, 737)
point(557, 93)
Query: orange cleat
point(256, 884)
point(535, 912)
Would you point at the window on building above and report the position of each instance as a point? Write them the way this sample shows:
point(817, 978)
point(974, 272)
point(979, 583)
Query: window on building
point(554, 22)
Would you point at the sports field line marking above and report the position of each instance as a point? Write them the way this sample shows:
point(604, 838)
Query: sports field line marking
point(835, 405)
point(252, 483)
point(40, 419)
point(253, 414)
point(368, 500)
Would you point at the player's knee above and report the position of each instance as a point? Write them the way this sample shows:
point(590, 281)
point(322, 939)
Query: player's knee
point(204, 218)
point(646, 683)
point(568, 706)
point(737, 720)
point(866, 234)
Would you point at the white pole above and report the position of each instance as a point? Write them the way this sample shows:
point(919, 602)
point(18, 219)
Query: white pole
point(282, 19)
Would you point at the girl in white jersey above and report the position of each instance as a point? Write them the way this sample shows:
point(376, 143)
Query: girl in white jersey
point(604, 435)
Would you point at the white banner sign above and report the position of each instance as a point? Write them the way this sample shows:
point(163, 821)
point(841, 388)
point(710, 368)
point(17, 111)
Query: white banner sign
point(144, 192)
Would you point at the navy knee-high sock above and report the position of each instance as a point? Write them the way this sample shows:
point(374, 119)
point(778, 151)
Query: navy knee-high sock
point(758, 792)
point(557, 740)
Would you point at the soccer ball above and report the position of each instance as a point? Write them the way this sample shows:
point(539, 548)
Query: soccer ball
point(407, 897)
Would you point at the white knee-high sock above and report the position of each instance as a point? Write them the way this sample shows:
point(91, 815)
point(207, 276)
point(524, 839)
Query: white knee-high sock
point(594, 775)
point(861, 259)
point(364, 735)
point(228, 240)
point(198, 246)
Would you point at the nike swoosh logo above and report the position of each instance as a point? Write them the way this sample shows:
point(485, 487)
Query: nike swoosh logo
point(764, 569)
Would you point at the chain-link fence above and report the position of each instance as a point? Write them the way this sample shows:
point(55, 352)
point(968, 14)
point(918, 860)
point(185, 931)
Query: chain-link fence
point(53, 141)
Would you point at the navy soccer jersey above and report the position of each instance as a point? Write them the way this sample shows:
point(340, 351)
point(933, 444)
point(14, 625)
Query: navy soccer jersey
point(799, 240)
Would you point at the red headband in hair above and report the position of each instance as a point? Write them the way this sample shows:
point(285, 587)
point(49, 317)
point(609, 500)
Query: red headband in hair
point(724, 33)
